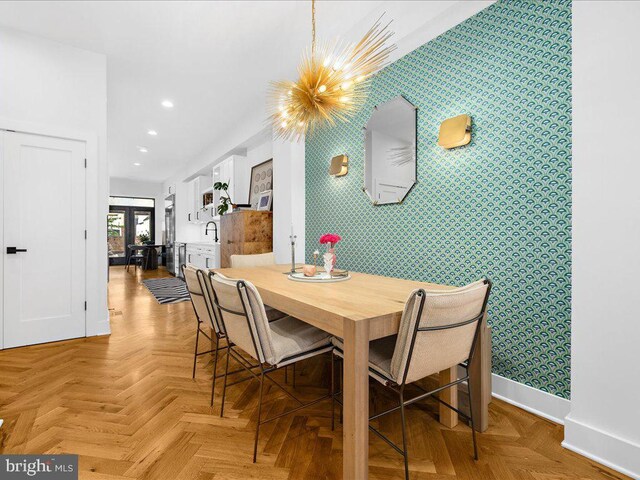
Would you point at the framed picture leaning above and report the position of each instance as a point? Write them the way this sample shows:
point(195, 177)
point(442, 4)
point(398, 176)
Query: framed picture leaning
point(261, 181)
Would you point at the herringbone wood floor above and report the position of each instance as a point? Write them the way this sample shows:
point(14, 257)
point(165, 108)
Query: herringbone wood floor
point(128, 406)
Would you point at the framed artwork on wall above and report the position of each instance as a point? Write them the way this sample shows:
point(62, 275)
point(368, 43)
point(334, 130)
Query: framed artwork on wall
point(264, 201)
point(261, 181)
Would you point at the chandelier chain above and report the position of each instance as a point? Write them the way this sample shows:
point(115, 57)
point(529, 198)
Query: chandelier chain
point(313, 27)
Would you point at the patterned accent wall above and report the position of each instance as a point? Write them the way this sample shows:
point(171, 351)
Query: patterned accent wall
point(499, 207)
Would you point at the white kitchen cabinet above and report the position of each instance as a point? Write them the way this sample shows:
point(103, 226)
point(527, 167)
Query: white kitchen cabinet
point(196, 188)
point(204, 255)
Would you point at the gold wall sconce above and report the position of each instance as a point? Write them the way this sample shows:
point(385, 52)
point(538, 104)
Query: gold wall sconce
point(339, 166)
point(455, 132)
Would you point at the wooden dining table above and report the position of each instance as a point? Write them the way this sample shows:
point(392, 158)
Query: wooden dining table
point(364, 308)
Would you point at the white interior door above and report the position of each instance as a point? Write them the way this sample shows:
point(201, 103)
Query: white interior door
point(44, 215)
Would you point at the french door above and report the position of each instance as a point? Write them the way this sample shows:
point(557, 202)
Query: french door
point(127, 225)
point(43, 238)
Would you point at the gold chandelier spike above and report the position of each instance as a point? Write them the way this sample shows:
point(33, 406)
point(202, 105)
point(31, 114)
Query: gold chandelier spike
point(332, 82)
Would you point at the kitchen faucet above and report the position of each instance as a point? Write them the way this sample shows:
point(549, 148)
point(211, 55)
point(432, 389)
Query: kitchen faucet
point(215, 229)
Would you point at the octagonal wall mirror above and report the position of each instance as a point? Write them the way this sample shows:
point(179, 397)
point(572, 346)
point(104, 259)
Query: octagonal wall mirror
point(390, 151)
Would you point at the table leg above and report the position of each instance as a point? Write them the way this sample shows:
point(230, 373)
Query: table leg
point(480, 378)
point(448, 417)
point(356, 400)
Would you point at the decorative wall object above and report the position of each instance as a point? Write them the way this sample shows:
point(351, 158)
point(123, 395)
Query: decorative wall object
point(339, 166)
point(390, 151)
point(455, 132)
point(261, 181)
point(501, 206)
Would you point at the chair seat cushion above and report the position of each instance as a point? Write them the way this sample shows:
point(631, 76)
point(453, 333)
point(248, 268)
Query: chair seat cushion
point(380, 355)
point(293, 337)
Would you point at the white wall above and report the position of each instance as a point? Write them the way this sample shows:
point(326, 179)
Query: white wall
point(48, 87)
point(288, 197)
point(125, 187)
point(605, 394)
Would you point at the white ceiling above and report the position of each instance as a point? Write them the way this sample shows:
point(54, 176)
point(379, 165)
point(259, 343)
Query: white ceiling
point(214, 60)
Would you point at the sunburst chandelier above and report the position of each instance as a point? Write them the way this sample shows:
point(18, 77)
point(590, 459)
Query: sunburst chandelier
point(332, 83)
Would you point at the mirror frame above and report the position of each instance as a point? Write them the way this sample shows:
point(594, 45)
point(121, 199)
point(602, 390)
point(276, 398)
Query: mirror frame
point(366, 154)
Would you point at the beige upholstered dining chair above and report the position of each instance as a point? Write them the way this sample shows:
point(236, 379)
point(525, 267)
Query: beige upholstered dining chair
point(257, 260)
point(203, 314)
point(201, 295)
point(263, 260)
point(438, 330)
point(273, 345)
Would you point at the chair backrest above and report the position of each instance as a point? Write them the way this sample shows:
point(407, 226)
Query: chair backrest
point(214, 312)
point(197, 294)
point(438, 330)
point(259, 260)
point(243, 316)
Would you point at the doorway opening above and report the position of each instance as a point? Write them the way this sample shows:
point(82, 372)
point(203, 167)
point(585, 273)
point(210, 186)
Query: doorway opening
point(130, 221)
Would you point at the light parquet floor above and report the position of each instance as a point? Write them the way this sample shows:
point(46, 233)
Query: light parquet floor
point(127, 404)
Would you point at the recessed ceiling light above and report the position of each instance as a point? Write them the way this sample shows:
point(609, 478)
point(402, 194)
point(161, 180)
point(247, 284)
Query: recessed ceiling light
point(167, 104)
point(137, 164)
point(143, 149)
point(153, 133)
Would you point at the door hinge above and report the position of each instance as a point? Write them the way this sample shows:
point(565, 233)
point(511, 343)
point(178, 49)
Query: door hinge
point(85, 305)
point(85, 234)
point(85, 163)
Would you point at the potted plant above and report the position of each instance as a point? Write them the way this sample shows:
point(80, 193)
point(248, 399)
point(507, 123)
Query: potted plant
point(144, 238)
point(225, 200)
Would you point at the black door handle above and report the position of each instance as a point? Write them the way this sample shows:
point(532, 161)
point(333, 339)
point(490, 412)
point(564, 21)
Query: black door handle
point(14, 250)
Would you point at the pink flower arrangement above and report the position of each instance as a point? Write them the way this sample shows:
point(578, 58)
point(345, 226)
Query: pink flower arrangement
point(331, 238)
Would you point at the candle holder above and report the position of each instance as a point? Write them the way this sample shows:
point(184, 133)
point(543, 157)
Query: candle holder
point(293, 255)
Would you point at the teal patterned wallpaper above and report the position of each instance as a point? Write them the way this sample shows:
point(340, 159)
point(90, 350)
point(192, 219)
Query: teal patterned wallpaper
point(499, 207)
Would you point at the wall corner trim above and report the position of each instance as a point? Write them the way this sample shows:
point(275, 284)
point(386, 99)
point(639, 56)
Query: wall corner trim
point(622, 454)
point(543, 404)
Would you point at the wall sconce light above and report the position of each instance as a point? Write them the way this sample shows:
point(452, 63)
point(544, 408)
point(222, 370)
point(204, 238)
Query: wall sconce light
point(339, 166)
point(455, 132)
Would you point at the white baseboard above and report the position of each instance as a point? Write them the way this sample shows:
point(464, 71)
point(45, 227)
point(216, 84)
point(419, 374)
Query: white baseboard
point(621, 454)
point(530, 399)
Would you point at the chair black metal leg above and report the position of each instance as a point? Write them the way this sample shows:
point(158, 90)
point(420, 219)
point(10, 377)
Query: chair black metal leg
point(215, 369)
point(404, 435)
point(226, 374)
point(195, 353)
point(473, 427)
point(332, 391)
point(255, 444)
